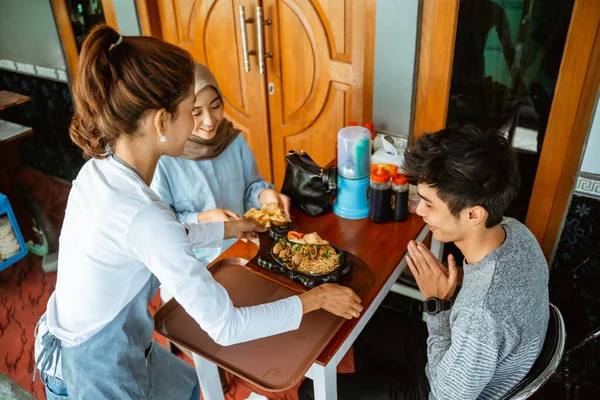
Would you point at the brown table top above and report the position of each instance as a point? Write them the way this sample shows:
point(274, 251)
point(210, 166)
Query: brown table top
point(381, 246)
point(9, 99)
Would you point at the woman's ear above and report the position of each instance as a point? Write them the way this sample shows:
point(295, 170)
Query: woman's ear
point(160, 120)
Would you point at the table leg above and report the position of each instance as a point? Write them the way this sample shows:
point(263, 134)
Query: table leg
point(324, 381)
point(208, 375)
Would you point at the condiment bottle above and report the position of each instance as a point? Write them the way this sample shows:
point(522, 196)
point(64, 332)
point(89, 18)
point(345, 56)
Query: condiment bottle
point(399, 198)
point(413, 199)
point(380, 196)
point(371, 128)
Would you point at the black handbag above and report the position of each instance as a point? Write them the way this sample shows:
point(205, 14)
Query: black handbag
point(308, 185)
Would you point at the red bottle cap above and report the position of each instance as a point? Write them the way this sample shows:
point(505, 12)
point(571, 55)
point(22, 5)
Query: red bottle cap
point(399, 179)
point(371, 128)
point(380, 175)
point(352, 123)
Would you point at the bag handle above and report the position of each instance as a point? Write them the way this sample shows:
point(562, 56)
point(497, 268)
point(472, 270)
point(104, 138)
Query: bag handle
point(300, 156)
point(328, 175)
point(330, 179)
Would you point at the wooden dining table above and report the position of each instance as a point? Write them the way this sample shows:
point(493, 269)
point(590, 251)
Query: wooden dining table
point(381, 246)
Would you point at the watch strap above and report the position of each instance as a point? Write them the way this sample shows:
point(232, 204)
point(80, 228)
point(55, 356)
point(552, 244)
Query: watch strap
point(433, 305)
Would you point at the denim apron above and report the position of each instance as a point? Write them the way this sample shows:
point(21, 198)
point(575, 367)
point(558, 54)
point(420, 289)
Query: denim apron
point(120, 361)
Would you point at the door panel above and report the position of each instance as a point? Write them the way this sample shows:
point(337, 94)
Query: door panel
point(210, 31)
point(319, 137)
point(317, 73)
point(297, 78)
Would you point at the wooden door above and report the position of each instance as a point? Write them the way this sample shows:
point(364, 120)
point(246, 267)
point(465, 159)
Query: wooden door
point(319, 74)
point(210, 31)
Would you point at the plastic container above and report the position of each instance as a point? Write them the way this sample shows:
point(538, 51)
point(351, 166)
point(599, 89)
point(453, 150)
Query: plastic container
point(371, 128)
point(13, 247)
point(380, 196)
point(399, 198)
point(354, 157)
point(413, 199)
point(352, 123)
point(388, 154)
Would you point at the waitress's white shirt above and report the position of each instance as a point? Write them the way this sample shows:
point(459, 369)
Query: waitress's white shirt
point(116, 233)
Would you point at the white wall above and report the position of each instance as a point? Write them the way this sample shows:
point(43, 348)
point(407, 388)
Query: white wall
point(591, 156)
point(28, 33)
point(127, 18)
point(396, 34)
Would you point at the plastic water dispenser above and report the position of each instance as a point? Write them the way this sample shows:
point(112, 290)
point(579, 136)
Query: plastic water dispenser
point(354, 167)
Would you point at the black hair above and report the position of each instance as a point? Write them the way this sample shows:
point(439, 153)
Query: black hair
point(467, 167)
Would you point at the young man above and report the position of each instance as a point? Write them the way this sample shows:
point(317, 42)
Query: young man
point(484, 340)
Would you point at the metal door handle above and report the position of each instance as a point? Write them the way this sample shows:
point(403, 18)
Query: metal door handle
point(247, 54)
point(259, 34)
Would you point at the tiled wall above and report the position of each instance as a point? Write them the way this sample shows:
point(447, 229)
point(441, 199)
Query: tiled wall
point(575, 279)
point(575, 274)
point(49, 113)
point(57, 74)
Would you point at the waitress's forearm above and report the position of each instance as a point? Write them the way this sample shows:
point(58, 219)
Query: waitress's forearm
point(251, 323)
point(311, 301)
point(206, 234)
point(229, 230)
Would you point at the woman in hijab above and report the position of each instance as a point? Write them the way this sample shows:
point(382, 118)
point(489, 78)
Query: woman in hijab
point(217, 178)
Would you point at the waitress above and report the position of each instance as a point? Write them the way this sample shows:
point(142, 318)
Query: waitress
point(134, 97)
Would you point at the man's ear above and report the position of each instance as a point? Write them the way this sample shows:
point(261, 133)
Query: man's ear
point(476, 215)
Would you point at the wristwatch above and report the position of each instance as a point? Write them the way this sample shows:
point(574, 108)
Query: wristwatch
point(433, 305)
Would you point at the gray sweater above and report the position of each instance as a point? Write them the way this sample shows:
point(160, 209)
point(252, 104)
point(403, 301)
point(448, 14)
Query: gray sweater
point(494, 332)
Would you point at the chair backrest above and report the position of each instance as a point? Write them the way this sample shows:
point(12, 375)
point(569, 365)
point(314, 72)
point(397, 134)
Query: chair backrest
point(547, 362)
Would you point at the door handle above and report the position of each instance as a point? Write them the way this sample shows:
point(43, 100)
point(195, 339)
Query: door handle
point(261, 46)
point(247, 54)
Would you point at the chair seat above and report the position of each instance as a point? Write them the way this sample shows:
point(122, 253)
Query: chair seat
point(546, 363)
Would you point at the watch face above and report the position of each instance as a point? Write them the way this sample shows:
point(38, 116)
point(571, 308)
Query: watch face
point(430, 305)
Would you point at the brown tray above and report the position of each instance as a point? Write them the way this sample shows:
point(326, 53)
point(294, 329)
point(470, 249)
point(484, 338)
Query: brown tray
point(275, 363)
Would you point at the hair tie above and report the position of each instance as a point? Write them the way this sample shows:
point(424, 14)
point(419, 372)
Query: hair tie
point(118, 42)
